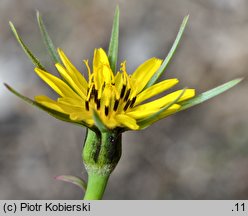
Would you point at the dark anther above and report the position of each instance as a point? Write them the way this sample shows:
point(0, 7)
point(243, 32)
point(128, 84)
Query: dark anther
point(87, 105)
point(127, 105)
point(95, 96)
point(127, 94)
point(106, 111)
point(123, 91)
point(93, 92)
point(132, 102)
point(98, 104)
point(116, 105)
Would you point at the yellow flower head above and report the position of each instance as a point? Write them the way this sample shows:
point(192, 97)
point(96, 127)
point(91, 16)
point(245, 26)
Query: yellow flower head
point(118, 100)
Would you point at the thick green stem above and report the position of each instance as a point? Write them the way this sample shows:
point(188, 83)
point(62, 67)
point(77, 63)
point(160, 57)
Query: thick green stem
point(96, 186)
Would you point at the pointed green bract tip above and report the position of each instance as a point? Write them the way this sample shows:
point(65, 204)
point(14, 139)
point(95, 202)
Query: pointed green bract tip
point(47, 39)
point(37, 13)
point(209, 94)
point(114, 41)
point(28, 52)
point(238, 80)
point(11, 24)
point(14, 31)
point(6, 85)
point(172, 51)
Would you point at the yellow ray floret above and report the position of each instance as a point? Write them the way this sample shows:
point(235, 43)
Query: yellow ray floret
point(72, 70)
point(117, 99)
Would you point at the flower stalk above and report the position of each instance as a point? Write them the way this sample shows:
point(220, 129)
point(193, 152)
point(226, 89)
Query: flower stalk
point(96, 186)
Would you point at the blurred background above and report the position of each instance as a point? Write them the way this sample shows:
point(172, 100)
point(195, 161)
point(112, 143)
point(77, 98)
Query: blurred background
point(201, 153)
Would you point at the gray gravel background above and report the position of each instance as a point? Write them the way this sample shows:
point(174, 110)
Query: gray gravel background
point(201, 153)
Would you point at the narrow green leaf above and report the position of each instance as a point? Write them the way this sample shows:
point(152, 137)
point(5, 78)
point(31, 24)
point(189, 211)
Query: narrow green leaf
point(35, 61)
point(209, 94)
point(51, 112)
point(153, 118)
point(47, 40)
point(74, 180)
point(98, 122)
point(170, 54)
point(113, 44)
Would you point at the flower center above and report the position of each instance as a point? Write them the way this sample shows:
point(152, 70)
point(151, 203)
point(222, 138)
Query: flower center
point(108, 99)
